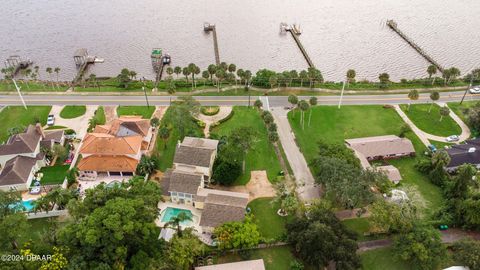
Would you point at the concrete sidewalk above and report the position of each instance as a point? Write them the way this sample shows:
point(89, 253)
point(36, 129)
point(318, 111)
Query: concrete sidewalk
point(307, 190)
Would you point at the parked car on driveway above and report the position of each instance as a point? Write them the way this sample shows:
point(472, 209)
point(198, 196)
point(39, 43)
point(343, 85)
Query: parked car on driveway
point(51, 120)
point(452, 138)
point(474, 89)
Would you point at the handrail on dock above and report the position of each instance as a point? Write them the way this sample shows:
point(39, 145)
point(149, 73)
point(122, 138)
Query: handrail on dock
point(393, 25)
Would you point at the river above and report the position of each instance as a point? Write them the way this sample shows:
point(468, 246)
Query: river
point(338, 34)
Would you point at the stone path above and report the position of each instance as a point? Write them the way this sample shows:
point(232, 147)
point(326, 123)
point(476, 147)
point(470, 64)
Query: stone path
point(307, 190)
point(209, 120)
point(160, 112)
point(110, 113)
point(257, 187)
point(425, 137)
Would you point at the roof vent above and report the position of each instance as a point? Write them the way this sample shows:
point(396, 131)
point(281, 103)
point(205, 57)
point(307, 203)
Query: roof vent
point(471, 150)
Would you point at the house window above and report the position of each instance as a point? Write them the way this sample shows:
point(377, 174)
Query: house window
point(173, 194)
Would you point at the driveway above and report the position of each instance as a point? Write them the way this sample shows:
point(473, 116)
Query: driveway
point(307, 190)
point(79, 124)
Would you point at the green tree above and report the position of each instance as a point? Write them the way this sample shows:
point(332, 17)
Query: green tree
point(241, 75)
point(237, 235)
point(247, 76)
point(93, 79)
point(273, 81)
point(303, 75)
point(258, 104)
point(49, 70)
point(313, 102)
point(57, 71)
point(212, 69)
point(384, 80)
point(351, 74)
point(176, 221)
point(321, 238)
point(462, 182)
point(303, 106)
point(438, 175)
point(434, 96)
point(262, 78)
point(444, 111)
point(393, 217)
point(170, 71)
point(293, 99)
point(422, 248)
point(467, 252)
point(286, 198)
point(412, 95)
point(232, 68)
point(177, 70)
point(146, 166)
point(124, 78)
point(164, 134)
point(183, 249)
point(432, 70)
point(314, 75)
point(154, 122)
point(220, 75)
point(226, 170)
point(205, 76)
point(186, 72)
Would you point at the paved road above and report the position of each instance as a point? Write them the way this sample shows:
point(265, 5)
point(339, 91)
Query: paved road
point(306, 188)
point(271, 101)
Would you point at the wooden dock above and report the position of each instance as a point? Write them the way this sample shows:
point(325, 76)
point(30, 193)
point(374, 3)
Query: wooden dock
point(15, 64)
point(207, 27)
point(393, 25)
point(295, 33)
point(82, 61)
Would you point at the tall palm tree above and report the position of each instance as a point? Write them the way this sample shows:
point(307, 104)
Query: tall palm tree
point(232, 68)
point(175, 222)
point(303, 106)
point(212, 69)
point(49, 70)
point(412, 95)
point(351, 74)
point(205, 76)
point(432, 70)
point(444, 111)
point(93, 78)
point(191, 69)
point(186, 72)
point(169, 70)
point(313, 102)
point(196, 71)
point(303, 75)
point(57, 71)
point(247, 76)
point(434, 96)
point(220, 75)
point(177, 70)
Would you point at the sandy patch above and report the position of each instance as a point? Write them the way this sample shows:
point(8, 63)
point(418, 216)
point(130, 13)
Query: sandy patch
point(257, 187)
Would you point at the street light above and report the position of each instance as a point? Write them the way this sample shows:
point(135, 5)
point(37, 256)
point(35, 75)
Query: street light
point(144, 91)
point(468, 88)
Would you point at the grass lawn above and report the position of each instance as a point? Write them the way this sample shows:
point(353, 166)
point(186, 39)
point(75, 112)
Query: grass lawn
point(270, 225)
point(262, 154)
point(166, 149)
point(30, 86)
point(440, 145)
point(71, 111)
point(380, 259)
point(275, 258)
point(100, 114)
point(54, 175)
point(55, 127)
point(460, 109)
point(334, 125)
point(360, 226)
point(430, 122)
point(14, 116)
point(145, 112)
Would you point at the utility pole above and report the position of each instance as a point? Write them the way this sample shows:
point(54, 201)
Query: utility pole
point(341, 95)
point(466, 90)
point(19, 93)
point(145, 91)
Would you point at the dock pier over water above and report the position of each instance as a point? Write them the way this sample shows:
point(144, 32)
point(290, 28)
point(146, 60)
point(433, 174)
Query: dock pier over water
point(82, 60)
point(295, 32)
point(207, 27)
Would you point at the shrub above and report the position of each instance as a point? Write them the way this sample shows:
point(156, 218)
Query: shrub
point(210, 110)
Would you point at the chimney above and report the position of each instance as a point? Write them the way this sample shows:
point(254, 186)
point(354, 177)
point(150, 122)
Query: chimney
point(39, 130)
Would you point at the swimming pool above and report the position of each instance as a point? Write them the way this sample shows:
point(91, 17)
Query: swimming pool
point(171, 212)
point(28, 205)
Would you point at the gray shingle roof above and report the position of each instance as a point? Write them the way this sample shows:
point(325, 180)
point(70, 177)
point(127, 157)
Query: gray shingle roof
point(193, 156)
point(25, 142)
point(219, 209)
point(180, 181)
point(55, 135)
point(17, 170)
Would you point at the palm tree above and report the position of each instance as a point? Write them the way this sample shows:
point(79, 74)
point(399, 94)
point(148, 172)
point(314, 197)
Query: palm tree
point(247, 76)
point(49, 70)
point(28, 72)
point(351, 74)
point(191, 70)
point(57, 71)
point(412, 95)
point(93, 78)
point(186, 72)
point(164, 134)
point(444, 111)
point(313, 102)
point(434, 96)
point(384, 79)
point(241, 74)
point(432, 70)
point(169, 70)
point(220, 75)
point(133, 75)
point(177, 70)
point(212, 69)
point(224, 66)
point(176, 221)
point(232, 68)
point(196, 71)
point(205, 76)
point(37, 69)
point(303, 76)
point(454, 73)
point(303, 105)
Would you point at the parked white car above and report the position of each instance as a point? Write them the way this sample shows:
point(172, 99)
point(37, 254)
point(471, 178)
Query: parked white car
point(452, 138)
point(475, 90)
point(51, 120)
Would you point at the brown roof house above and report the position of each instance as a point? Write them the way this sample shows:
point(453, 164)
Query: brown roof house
point(382, 147)
point(115, 149)
point(185, 185)
point(20, 156)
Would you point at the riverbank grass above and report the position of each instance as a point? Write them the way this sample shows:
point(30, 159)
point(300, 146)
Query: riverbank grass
point(430, 122)
point(270, 224)
point(17, 116)
point(262, 155)
point(71, 111)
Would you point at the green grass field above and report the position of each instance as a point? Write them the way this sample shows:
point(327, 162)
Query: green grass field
point(15, 116)
point(270, 225)
point(262, 154)
point(275, 258)
point(144, 111)
point(69, 112)
point(430, 122)
point(54, 175)
point(460, 109)
point(380, 259)
point(334, 125)
point(360, 226)
point(30, 86)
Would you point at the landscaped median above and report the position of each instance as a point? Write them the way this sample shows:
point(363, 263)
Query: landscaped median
point(72, 111)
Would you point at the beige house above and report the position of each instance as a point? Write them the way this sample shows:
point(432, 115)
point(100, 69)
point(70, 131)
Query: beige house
point(185, 185)
point(379, 148)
